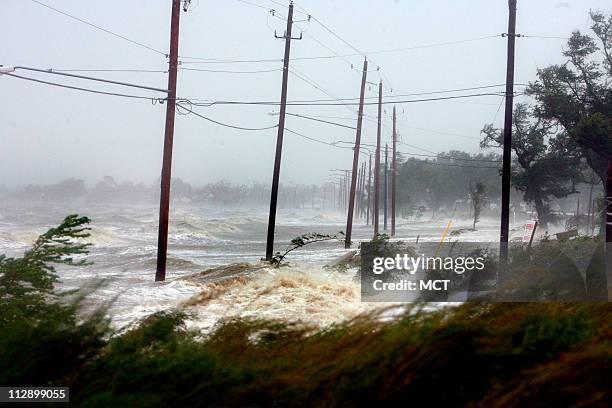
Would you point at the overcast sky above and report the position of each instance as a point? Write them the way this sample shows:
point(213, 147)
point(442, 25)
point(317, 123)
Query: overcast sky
point(49, 133)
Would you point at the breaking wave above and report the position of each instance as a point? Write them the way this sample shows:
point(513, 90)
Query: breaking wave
point(309, 294)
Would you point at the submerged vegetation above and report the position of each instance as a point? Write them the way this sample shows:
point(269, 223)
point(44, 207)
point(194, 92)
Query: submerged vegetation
point(303, 240)
point(476, 354)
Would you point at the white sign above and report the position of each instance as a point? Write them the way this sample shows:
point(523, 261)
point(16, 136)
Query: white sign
point(529, 227)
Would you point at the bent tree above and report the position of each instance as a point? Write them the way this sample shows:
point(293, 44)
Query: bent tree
point(547, 164)
point(578, 96)
point(478, 196)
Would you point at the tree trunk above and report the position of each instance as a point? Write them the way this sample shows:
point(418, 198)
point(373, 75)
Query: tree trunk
point(542, 216)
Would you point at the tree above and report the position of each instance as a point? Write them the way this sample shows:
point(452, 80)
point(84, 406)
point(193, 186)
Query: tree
point(548, 165)
point(70, 188)
point(578, 96)
point(443, 181)
point(478, 194)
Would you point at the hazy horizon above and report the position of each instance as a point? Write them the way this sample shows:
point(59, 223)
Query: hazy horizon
point(51, 134)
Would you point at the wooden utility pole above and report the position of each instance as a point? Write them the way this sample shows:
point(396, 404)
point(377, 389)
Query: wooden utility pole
point(358, 193)
point(386, 189)
point(363, 193)
point(166, 174)
point(377, 163)
point(507, 152)
point(333, 184)
point(279, 136)
point(351, 204)
point(346, 188)
point(369, 191)
point(394, 176)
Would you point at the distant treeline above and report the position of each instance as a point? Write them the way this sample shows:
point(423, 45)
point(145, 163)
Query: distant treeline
point(444, 183)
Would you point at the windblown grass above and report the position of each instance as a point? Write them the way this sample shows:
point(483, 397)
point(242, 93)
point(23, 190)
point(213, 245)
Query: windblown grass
point(484, 355)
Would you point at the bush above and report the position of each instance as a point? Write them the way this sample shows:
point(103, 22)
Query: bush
point(41, 339)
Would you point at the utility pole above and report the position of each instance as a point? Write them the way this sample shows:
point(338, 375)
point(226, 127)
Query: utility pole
point(377, 163)
point(166, 174)
point(346, 188)
point(358, 193)
point(385, 189)
point(363, 194)
point(279, 136)
point(507, 155)
point(369, 191)
point(394, 175)
point(351, 206)
point(334, 194)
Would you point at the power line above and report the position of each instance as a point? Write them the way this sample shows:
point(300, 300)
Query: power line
point(315, 39)
point(432, 163)
point(143, 71)
point(368, 117)
point(399, 95)
point(332, 32)
point(254, 5)
point(441, 156)
point(332, 103)
point(474, 88)
point(166, 71)
point(433, 45)
point(199, 60)
point(190, 111)
point(335, 144)
point(232, 72)
point(321, 120)
point(335, 54)
point(351, 46)
point(100, 28)
point(317, 140)
point(416, 147)
point(85, 89)
point(545, 37)
point(498, 109)
point(314, 118)
point(88, 78)
point(317, 86)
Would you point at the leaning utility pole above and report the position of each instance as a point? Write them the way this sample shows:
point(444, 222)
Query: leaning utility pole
point(394, 175)
point(362, 193)
point(333, 184)
point(377, 163)
point(385, 189)
point(166, 174)
point(369, 191)
point(279, 137)
point(507, 155)
point(351, 205)
point(358, 192)
point(346, 188)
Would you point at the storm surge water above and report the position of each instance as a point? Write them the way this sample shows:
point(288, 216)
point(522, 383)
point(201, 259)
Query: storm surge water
point(214, 240)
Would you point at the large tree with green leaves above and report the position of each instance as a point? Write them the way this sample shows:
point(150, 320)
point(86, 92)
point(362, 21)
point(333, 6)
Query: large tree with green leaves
point(578, 96)
point(547, 164)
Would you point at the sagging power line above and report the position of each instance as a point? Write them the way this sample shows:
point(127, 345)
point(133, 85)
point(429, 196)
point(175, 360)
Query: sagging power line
point(333, 102)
